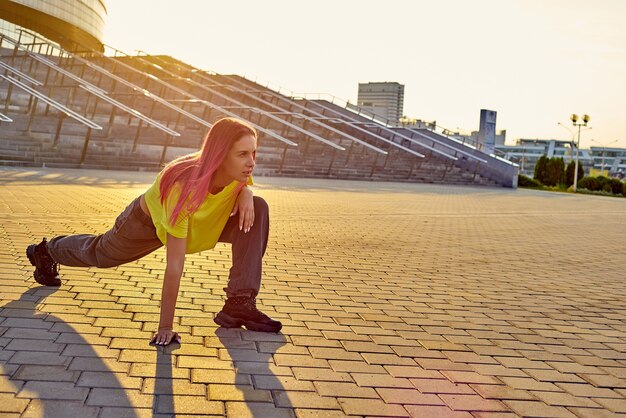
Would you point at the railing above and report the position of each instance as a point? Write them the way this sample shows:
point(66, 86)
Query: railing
point(95, 90)
point(238, 103)
point(294, 102)
point(285, 112)
point(189, 95)
point(5, 118)
point(346, 104)
point(48, 100)
point(472, 143)
point(20, 74)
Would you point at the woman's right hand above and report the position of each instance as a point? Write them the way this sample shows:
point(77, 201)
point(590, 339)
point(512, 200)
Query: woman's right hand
point(165, 337)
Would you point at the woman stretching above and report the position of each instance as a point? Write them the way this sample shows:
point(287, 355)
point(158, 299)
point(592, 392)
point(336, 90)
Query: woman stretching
point(189, 208)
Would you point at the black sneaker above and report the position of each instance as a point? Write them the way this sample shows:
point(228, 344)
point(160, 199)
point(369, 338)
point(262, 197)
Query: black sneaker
point(46, 269)
point(242, 310)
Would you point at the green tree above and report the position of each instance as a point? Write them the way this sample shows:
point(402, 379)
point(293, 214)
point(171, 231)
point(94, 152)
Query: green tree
point(569, 173)
point(555, 172)
point(540, 169)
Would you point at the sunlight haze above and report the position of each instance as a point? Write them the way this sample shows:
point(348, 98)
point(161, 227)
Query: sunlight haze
point(534, 62)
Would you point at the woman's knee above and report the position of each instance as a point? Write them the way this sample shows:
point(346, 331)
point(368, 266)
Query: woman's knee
point(261, 207)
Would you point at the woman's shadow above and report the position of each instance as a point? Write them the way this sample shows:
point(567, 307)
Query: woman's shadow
point(38, 379)
point(257, 379)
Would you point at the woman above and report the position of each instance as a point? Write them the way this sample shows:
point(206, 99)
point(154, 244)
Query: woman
point(189, 208)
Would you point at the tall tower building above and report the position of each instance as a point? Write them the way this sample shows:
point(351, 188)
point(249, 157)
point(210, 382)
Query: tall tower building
point(385, 99)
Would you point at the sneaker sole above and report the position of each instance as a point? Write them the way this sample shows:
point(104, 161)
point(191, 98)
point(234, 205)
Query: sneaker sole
point(39, 278)
point(228, 321)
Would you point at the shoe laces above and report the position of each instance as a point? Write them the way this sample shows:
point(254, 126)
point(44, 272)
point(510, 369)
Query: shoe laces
point(50, 267)
point(248, 302)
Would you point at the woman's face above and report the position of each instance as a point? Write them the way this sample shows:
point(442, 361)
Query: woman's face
point(240, 161)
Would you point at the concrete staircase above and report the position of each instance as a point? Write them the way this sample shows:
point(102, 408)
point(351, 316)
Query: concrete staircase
point(39, 136)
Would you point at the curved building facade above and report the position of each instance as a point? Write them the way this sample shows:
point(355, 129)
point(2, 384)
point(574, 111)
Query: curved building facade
point(75, 24)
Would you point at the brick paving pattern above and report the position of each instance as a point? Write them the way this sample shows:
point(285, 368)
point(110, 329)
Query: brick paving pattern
point(398, 300)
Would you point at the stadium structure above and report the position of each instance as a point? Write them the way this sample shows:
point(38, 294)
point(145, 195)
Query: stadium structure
point(68, 100)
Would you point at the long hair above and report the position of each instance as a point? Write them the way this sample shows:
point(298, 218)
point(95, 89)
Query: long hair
point(194, 173)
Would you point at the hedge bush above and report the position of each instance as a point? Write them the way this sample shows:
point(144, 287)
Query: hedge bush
point(605, 184)
point(524, 181)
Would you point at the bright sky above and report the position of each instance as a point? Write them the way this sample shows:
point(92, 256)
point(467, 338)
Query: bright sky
point(535, 62)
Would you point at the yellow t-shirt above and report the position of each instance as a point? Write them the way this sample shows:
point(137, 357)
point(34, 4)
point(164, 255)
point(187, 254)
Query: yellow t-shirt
point(203, 227)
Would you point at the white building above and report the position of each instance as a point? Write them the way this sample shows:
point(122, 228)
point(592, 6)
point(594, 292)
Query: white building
point(384, 99)
point(526, 152)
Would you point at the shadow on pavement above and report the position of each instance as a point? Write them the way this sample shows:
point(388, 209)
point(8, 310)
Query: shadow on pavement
point(38, 375)
point(163, 402)
point(260, 387)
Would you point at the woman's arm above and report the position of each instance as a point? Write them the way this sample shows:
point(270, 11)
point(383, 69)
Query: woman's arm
point(245, 206)
point(175, 250)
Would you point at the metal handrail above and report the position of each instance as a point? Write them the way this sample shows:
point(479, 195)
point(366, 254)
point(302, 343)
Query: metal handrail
point(473, 144)
point(448, 145)
point(196, 98)
point(225, 97)
point(20, 74)
point(319, 115)
point(322, 96)
point(136, 88)
point(5, 118)
point(130, 110)
point(69, 112)
point(94, 90)
point(368, 114)
point(312, 120)
point(355, 124)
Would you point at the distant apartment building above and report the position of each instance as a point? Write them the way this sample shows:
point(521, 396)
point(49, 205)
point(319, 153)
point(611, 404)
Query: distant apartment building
point(384, 99)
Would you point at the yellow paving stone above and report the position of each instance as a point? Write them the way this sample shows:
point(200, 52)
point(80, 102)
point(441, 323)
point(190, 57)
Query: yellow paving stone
point(416, 372)
point(319, 374)
point(456, 376)
point(615, 405)
point(407, 397)
point(172, 386)
point(564, 399)
point(319, 413)
point(529, 384)
point(604, 381)
point(344, 390)
point(501, 392)
point(373, 407)
point(441, 386)
point(426, 411)
point(553, 376)
point(581, 389)
point(182, 404)
point(472, 403)
point(225, 392)
point(312, 400)
point(538, 409)
point(256, 409)
point(591, 413)
point(380, 381)
point(220, 376)
point(497, 370)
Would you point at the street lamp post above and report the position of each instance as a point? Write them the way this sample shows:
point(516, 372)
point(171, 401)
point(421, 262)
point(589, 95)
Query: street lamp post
point(585, 120)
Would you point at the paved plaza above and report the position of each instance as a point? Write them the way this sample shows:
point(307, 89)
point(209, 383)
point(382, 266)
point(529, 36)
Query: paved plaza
point(402, 300)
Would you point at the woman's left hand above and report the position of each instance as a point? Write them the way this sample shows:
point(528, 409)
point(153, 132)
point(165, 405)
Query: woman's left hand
point(245, 206)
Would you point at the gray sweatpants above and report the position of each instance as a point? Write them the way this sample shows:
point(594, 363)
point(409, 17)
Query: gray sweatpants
point(133, 236)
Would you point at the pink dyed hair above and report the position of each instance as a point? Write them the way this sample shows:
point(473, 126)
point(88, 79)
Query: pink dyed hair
point(194, 173)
